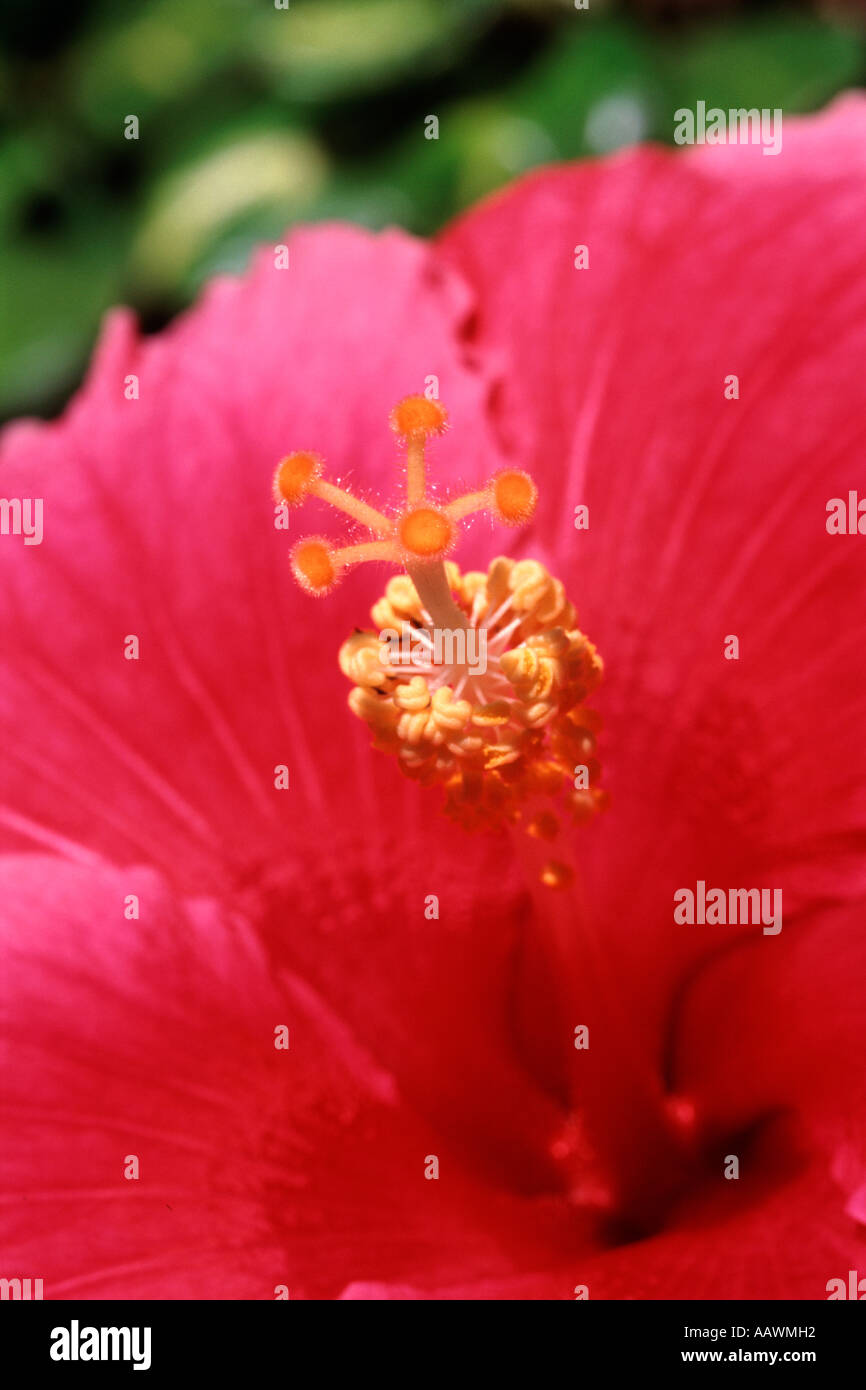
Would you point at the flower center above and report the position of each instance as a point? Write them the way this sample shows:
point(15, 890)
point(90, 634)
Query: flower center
point(491, 709)
point(476, 682)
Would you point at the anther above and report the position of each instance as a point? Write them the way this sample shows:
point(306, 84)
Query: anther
point(556, 874)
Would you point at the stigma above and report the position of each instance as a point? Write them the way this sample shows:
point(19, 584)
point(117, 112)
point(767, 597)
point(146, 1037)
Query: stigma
point(476, 682)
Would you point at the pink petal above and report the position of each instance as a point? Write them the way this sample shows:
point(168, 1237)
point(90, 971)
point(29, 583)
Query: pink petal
point(827, 145)
point(772, 1024)
point(752, 1241)
point(258, 1166)
point(159, 523)
point(707, 518)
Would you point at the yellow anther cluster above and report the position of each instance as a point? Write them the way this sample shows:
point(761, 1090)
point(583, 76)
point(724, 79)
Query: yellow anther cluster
point(534, 593)
point(513, 744)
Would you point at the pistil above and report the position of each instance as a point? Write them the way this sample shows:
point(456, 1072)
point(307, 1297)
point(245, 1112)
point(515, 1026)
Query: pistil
point(431, 585)
point(498, 721)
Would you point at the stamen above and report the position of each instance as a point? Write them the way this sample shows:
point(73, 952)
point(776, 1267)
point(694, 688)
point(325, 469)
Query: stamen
point(498, 719)
point(557, 875)
point(504, 736)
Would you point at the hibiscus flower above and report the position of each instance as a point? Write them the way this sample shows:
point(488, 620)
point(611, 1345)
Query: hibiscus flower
point(244, 1054)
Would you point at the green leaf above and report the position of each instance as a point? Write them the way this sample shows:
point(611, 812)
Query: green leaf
point(322, 49)
point(792, 61)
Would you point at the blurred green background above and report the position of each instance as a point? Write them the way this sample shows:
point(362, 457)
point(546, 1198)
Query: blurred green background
point(252, 117)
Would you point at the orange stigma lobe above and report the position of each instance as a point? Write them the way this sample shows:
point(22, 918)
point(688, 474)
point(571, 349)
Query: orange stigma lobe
point(514, 496)
point(416, 417)
point(314, 565)
point(294, 476)
point(426, 533)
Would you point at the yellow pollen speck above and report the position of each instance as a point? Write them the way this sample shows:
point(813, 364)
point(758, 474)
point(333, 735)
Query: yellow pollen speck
point(556, 875)
point(543, 826)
